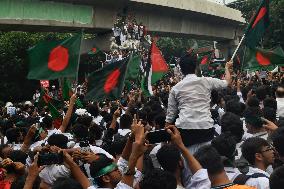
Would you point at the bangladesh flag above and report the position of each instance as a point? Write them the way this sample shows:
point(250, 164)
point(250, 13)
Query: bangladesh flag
point(257, 25)
point(107, 82)
point(205, 57)
point(155, 69)
point(67, 92)
point(54, 59)
point(258, 58)
point(44, 98)
point(134, 67)
point(94, 50)
point(55, 114)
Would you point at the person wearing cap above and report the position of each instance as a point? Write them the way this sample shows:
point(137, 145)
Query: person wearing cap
point(189, 103)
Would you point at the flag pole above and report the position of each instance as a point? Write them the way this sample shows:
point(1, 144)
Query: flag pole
point(238, 47)
point(78, 65)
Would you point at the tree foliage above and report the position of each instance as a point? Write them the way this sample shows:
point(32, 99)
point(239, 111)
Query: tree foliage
point(14, 63)
point(175, 47)
point(275, 33)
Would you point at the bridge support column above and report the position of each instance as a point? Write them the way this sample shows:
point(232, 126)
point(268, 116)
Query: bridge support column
point(226, 48)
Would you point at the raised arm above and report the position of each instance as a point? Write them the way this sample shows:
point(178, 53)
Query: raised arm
point(68, 114)
point(228, 76)
point(193, 164)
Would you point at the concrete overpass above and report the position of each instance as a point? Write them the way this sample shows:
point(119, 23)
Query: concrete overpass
point(199, 19)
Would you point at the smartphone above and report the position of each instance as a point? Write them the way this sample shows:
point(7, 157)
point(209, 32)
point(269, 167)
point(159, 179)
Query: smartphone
point(158, 136)
point(50, 159)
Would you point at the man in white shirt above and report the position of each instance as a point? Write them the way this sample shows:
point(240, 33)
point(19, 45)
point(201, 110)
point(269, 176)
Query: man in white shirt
point(280, 100)
point(189, 103)
point(260, 155)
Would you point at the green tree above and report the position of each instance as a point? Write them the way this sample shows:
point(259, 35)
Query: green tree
point(275, 33)
point(175, 47)
point(14, 64)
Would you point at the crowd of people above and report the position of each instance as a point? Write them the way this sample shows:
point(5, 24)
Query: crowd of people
point(209, 133)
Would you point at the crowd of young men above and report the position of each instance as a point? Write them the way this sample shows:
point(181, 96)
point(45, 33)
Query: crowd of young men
point(223, 134)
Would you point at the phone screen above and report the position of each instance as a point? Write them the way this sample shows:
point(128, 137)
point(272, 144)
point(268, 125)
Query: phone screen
point(158, 136)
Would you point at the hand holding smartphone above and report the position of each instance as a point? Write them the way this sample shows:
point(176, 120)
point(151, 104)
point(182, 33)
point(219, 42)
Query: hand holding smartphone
point(158, 136)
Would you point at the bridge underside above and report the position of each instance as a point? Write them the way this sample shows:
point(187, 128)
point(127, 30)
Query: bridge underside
point(98, 17)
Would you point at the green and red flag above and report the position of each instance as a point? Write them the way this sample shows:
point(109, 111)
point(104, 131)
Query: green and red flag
point(55, 114)
point(258, 58)
point(107, 82)
point(155, 69)
point(67, 92)
point(133, 67)
point(204, 60)
point(258, 24)
point(94, 50)
point(54, 59)
point(44, 98)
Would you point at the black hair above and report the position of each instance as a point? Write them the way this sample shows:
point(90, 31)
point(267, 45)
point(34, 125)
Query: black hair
point(215, 97)
point(269, 113)
point(93, 110)
point(210, 159)
point(46, 122)
point(97, 165)
point(64, 182)
point(85, 120)
point(19, 183)
point(80, 131)
point(118, 145)
point(58, 140)
point(158, 178)
point(95, 132)
point(169, 157)
point(125, 121)
point(232, 123)
point(277, 138)
point(276, 179)
point(188, 63)
point(235, 107)
point(160, 120)
point(18, 156)
point(2, 146)
point(225, 144)
point(7, 124)
point(253, 117)
point(252, 146)
point(13, 134)
point(253, 102)
point(261, 92)
point(270, 102)
point(280, 91)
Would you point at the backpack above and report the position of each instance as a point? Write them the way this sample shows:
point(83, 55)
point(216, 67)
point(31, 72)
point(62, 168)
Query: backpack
point(241, 179)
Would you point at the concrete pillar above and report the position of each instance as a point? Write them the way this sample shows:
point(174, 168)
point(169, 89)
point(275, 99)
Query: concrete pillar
point(226, 48)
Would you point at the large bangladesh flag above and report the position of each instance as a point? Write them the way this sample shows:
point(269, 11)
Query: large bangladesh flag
point(107, 82)
point(258, 58)
point(258, 24)
point(54, 59)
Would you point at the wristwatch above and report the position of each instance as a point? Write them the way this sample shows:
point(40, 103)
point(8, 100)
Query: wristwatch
point(129, 172)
